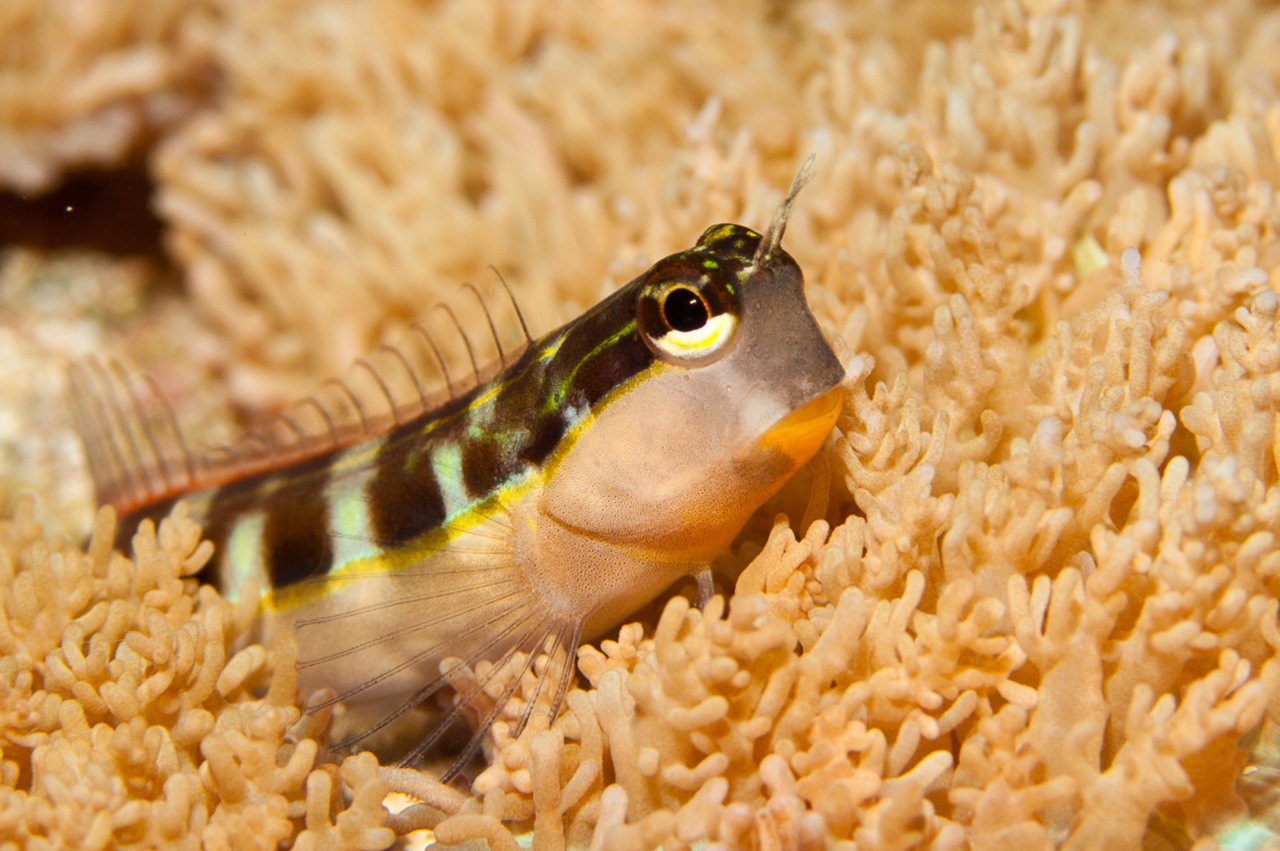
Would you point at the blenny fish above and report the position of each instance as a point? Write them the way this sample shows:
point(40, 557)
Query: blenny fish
point(531, 512)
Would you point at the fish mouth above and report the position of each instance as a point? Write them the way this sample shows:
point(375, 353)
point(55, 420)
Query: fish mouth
point(800, 433)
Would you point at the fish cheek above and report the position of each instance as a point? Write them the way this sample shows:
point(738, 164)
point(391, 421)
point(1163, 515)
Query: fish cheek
point(657, 470)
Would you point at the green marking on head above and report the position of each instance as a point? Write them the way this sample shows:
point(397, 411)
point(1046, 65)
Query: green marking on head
point(561, 390)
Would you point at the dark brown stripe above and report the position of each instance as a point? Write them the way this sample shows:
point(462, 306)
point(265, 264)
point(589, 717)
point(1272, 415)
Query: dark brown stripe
point(217, 529)
point(236, 498)
point(404, 497)
point(544, 437)
point(483, 466)
point(599, 376)
point(295, 538)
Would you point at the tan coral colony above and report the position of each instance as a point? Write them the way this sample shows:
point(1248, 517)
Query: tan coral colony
point(1024, 597)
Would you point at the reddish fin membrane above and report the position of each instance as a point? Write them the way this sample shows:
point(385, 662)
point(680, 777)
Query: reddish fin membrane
point(138, 456)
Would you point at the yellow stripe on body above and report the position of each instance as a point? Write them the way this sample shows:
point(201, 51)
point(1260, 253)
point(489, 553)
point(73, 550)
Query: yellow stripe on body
point(416, 555)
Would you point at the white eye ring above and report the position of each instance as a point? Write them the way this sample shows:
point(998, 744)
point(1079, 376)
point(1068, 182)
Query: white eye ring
point(700, 342)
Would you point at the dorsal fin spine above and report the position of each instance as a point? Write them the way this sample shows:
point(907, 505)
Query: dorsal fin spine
point(413, 373)
point(313, 402)
point(300, 436)
point(148, 432)
point(435, 350)
point(466, 341)
point(528, 338)
point(139, 455)
point(127, 454)
point(355, 402)
point(171, 418)
point(502, 355)
point(364, 364)
point(133, 464)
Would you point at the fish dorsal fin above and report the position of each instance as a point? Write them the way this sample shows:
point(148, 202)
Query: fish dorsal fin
point(138, 455)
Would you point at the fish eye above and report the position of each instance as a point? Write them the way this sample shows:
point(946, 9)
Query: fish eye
point(685, 310)
point(684, 325)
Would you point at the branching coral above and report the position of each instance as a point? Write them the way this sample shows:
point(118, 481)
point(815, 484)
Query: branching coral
point(126, 720)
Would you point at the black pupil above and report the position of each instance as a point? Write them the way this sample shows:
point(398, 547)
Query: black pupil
point(684, 310)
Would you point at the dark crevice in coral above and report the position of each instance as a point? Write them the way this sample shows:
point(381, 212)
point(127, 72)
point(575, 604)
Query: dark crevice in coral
point(95, 209)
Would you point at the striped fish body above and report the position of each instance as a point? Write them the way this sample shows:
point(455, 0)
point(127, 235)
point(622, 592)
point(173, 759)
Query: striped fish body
point(613, 456)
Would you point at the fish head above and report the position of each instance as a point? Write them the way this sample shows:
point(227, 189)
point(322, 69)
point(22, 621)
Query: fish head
point(741, 389)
